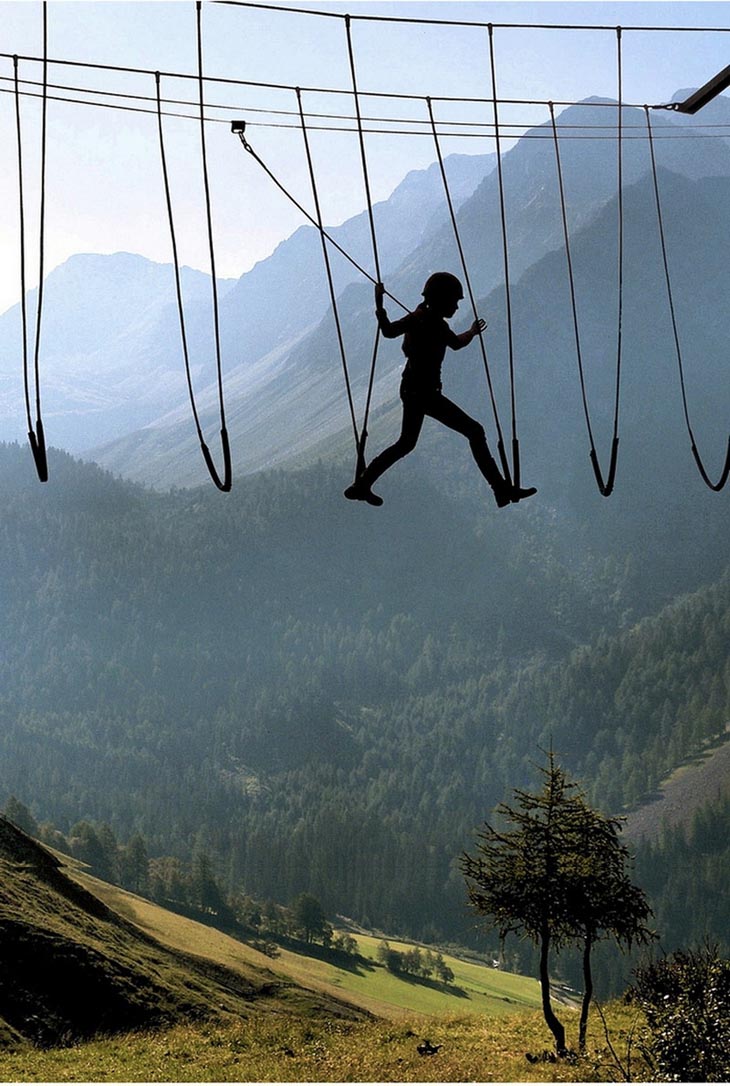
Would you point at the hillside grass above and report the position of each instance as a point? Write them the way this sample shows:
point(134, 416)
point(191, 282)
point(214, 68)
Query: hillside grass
point(476, 989)
point(487, 1048)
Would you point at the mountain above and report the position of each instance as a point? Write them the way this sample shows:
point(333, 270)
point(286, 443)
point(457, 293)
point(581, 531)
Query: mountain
point(109, 346)
point(302, 382)
point(73, 968)
point(111, 357)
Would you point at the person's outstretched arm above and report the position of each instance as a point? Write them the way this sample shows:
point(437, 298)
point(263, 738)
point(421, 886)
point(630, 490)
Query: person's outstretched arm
point(463, 339)
point(388, 328)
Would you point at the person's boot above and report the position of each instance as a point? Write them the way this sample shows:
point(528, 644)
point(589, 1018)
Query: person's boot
point(520, 492)
point(361, 492)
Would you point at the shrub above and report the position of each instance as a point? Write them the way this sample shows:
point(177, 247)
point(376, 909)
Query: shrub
point(686, 1000)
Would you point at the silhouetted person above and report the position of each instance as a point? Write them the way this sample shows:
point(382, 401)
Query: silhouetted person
point(426, 337)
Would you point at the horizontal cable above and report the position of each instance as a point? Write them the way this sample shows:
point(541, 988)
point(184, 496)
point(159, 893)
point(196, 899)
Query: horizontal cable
point(529, 135)
point(465, 22)
point(521, 126)
point(397, 96)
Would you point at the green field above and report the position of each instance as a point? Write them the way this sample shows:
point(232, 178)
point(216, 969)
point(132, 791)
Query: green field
point(476, 989)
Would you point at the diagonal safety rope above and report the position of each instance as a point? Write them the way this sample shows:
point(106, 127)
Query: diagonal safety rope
point(328, 270)
point(311, 218)
point(505, 259)
point(470, 291)
point(36, 436)
point(606, 485)
point(223, 484)
point(360, 467)
point(670, 298)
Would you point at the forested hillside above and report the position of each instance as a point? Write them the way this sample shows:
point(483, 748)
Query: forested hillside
point(331, 699)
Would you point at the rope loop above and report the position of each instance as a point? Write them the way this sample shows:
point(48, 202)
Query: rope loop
point(223, 483)
point(725, 473)
point(36, 436)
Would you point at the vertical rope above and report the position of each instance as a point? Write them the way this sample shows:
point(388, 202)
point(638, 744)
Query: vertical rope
point(42, 214)
point(36, 436)
point(204, 154)
point(363, 156)
point(224, 483)
point(505, 258)
point(328, 268)
point(571, 277)
point(725, 473)
point(176, 264)
point(23, 288)
point(470, 291)
point(376, 260)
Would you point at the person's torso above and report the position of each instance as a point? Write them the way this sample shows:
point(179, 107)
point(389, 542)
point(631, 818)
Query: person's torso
point(424, 345)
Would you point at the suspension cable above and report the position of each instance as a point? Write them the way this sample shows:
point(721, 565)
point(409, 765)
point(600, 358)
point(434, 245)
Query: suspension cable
point(470, 291)
point(328, 271)
point(725, 473)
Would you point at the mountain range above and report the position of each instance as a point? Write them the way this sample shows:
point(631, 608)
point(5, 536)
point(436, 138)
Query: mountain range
point(294, 372)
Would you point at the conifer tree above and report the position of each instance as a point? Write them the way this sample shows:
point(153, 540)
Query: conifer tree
point(557, 876)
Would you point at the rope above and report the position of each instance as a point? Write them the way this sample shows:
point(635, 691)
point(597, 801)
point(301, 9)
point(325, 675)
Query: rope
point(225, 483)
point(670, 297)
point(36, 437)
point(573, 303)
point(472, 300)
point(464, 22)
point(505, 257)
point(376, 260)
point(96, 66)
point(272, 176)
point(328, 270)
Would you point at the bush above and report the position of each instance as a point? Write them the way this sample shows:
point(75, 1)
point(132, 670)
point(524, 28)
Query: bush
point(686, 1000)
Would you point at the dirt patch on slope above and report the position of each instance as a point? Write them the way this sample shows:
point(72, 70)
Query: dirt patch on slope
point(703, 780)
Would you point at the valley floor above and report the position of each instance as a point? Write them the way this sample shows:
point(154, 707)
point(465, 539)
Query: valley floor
point(288, 1049)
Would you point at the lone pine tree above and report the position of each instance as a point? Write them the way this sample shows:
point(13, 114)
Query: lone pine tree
point(557, 876)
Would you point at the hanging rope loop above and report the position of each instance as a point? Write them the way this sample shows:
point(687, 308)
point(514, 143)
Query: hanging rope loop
point(605, 484)
point(36, 435)
point(224, 483)
point(725, 473)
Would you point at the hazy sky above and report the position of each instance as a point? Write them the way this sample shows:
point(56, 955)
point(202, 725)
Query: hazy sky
point(104, 187)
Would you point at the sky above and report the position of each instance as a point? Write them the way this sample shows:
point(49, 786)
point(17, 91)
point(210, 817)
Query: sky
point(104, 188)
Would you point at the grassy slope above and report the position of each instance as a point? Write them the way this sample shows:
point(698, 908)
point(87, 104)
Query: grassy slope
point(289, 1049)
point(305, 1036)
point(73, 968)
point(476, 989)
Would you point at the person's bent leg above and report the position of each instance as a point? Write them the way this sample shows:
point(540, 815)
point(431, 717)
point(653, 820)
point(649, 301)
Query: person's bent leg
point(449, 414)
point(411, 425)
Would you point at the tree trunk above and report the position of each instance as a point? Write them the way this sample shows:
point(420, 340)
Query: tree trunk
point(587, 992)
point(554, 1024)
